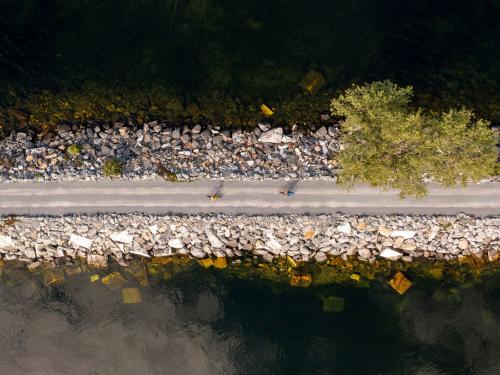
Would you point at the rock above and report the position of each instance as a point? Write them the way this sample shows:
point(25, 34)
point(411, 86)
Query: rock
point(63, 128)
point(141, 252)
point(344, 228)
point(176, 134)
point(463, 244)
point(32, 267)
point(153, 229)
point(364, 253)
point(400, 283)
point(272, 136)
point(6, 243)
point(384, 231)
point(97, 261)
point(196, 129)
point(408, 246)
point(406, 234)
point(79, 241)
point(131, 295)
point(220, 262)
point(391, 254)
point(309, 233)
point(176, 243)
point(302, 281)
point(264, 126)
point(273, 246)
point(320, 257)
point(361, 226)
point(398, 242)
point(197, 253)
point(321, 132)
point(433, 232)
point(213, 239)
point(114, 279)
point(122, 237)
point(206, 262)
point(105, 151)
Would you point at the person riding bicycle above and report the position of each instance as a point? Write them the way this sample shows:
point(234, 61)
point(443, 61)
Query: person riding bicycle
point(288, 193)
point(215, 196)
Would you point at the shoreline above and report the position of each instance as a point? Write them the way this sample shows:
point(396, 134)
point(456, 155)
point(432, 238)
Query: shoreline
point(302, 238)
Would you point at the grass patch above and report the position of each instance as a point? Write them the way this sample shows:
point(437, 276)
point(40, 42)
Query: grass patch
point(165, 173)
point(112, 168)
point(74, 150)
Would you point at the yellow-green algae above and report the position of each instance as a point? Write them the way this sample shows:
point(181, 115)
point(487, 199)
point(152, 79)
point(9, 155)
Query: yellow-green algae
point(94, 102)
point(141, 272)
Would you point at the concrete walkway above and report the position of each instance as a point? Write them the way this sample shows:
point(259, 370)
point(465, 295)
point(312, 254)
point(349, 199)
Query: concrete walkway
point(238, 197)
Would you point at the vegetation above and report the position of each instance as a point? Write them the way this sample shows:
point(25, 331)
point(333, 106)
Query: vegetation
point(74, 150)
point(388, 144)
point(166, 173)
point(112, 168)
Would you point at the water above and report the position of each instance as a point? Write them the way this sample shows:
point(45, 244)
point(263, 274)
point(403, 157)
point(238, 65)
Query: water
point(198, 321)
point(254, 49)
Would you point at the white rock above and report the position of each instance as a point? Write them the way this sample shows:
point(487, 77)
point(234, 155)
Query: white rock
point(213, 239)
point(153, 229)
point(364, 253)
point(272, 136)
point(122, 237)
point(406, 234)
point(79, 241)
point(433, 232)
point(391, 254)
point(320, 257)
point(344, 228)
point(273, 245)
point(175, 243)
point(141, 252)
point(6, 242)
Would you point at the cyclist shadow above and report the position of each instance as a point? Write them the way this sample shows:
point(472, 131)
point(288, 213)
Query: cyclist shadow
point(217, 190)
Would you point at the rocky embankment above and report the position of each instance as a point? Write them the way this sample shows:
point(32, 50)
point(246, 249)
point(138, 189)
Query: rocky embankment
point(154, 149)
point(62, 240)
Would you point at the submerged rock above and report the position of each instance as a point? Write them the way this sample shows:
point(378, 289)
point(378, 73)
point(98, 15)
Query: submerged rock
point(131, 295)
point(400, 283)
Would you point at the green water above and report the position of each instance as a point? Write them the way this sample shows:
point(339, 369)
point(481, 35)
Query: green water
point(255, 49)
point(193, 320)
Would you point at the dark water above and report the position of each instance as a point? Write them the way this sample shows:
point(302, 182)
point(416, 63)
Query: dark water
point(447, 49)
point(202, 321)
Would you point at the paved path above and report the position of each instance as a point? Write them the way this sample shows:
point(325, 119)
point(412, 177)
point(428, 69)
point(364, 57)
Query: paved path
point(239, 197)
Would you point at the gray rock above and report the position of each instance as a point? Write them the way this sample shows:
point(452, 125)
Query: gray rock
point(321, 132)
point(272, 136)
point(213, 239)
point(176, 134)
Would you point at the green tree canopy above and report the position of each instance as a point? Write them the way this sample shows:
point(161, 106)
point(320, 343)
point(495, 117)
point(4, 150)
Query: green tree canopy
point(388, 144)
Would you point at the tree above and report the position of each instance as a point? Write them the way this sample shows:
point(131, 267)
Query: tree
point(388, 144)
